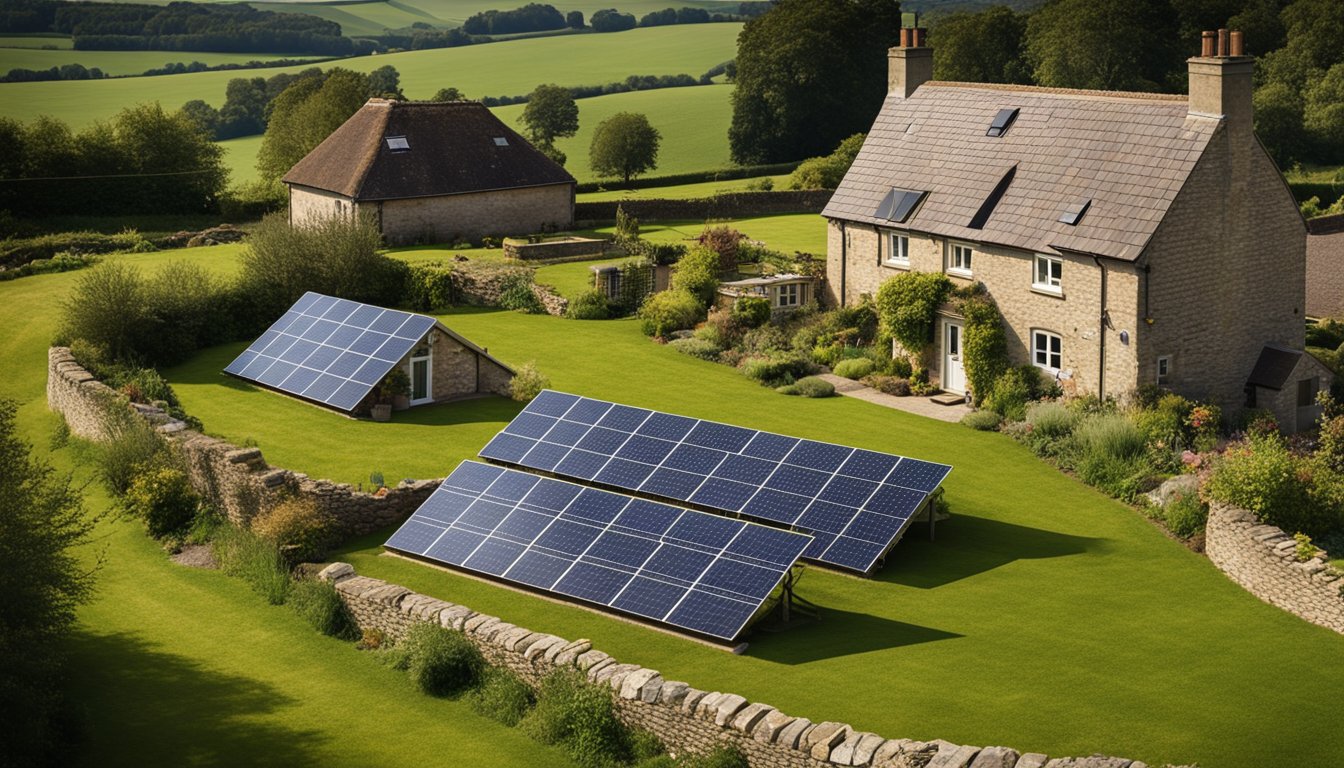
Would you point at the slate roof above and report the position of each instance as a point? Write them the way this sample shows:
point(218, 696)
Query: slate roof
point(1129, 154)
point(1325, 266)
point(1274, 366)
point(452, 151)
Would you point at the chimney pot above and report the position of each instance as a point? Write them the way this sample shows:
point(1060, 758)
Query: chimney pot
point(1206, 44)
point(1238, 44)
point(905, 37)
point(1222, 42)
point(921, 35)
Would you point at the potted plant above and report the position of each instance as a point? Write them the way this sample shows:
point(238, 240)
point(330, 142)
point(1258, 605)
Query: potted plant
point(381, 412)
point(396, 389)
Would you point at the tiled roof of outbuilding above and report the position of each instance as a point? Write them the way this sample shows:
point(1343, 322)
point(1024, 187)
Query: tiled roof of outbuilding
point(450, 150)
point(1128, 154)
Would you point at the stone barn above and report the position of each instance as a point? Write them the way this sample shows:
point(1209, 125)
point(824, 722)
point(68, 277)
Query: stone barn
point(432, 172)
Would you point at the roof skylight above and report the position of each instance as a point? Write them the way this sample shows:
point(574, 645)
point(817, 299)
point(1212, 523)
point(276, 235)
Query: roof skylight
point(1002, 121)
point(1074, 212)
point(398, 144)
point(501, 141)
point(898, 204)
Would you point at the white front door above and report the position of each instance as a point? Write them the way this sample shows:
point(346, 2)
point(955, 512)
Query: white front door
point(954, 371)
point(422, 383)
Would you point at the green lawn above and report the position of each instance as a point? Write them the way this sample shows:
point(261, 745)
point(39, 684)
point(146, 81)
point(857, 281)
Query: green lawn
point(240, 156)
point(497, 69)
point(679, 191)
point(126, 62)
point(1045, 616)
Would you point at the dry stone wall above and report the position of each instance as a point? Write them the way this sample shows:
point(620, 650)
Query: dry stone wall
point(732, 205)
point(684, 718)
point(235, 479)
point(1263, 560)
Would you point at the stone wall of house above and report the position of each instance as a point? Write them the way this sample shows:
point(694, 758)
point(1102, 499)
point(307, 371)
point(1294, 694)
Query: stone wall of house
point(1074, 313)
point(1263, 560)
point(1227, 274)
point(684, 718)
point(307, 205)
point(459, 371)
point(237, 480)
point(726, 206)
point(450, 218)
point(561, 249)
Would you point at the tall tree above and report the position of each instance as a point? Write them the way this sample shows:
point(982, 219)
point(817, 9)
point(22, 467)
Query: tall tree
point(41, 584)
point(1111, 45)
point(180, 168)
point(983, 47)
point(385, 82)
point(809, 74)
point(305, 114)
point(624, 145)
point(551, 113)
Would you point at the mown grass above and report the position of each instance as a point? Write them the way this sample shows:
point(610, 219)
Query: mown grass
point(173, 666)
point(1045, 616)
point(497, 69)
point(37, 41)
point(126, 62)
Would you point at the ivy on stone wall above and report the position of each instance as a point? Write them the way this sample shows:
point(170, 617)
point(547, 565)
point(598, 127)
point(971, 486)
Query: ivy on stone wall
point(907, 305)
point(984, 345)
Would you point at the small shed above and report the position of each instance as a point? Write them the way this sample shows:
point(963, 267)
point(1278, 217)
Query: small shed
point(336, 353)
point(786, 293)
point(1285, 382)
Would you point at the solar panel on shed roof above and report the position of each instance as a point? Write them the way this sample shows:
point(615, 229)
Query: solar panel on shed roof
point(331, 351)
point(855, 503)
point(692, 570)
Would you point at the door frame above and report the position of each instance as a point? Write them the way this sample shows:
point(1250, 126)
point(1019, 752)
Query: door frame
point(428, 360)
point(947, 358)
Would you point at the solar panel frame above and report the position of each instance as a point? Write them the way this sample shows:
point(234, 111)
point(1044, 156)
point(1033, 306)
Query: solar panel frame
point(817, 487)
point(330, 351)
point(698, 572)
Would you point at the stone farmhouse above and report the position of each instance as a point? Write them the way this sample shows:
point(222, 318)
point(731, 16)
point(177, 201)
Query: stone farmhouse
point(1127, 238)
point(432, 172)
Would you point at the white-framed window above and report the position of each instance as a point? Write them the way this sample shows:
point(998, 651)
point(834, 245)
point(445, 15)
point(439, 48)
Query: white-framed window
point(789, 295)
point(1047, 350)
point(1163, 369)
point(1049, 274)
point(959, 259)
point(898, 249)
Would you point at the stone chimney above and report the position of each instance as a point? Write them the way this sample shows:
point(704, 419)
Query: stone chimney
point(910, 64)
point(1220, 82)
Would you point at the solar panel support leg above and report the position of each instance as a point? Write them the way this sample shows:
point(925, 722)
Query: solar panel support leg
point(932, 504)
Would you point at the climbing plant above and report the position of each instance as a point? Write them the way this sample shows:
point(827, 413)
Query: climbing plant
point(907, 305)
point(984, 345)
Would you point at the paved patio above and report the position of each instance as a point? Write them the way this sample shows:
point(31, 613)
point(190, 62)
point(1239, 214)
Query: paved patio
point(920, 406)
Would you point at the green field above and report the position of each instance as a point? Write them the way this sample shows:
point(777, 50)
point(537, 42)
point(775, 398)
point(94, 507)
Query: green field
point(497, 69)
point(125, 62)
point(372, 18)
point(36, 41)
point(694, 123)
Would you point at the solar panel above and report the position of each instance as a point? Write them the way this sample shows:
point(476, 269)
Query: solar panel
point(855, 503)
point(331, 351)
point(898, 204)
point(695, 571)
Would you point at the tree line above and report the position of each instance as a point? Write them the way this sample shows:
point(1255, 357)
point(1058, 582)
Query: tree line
point(80, 72)
point(812, 72)
point(144, 160)
point(179, 26)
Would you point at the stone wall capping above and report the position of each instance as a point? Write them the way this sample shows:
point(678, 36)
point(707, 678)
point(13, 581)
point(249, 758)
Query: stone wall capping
point(1095, 761)
point(388, 594)
point(336, 572)
point(587, 659)
point(672, 693)
point(540, 645)
point(888, 751)
point(488, 631)
point(866, 748)
point(568, 656)
point(794, 735)
point(996, 757)
point(649, 692)
point(690, 701)
point(843, 753)
point(632, 685)
point(470, 625)
point(750, 715)
point(728, 706)
point(770, 726)
point(597, 667)
point(509, 640)
point(706, 705)
point(1032, 760)
point(825, 737)
point(953, 756)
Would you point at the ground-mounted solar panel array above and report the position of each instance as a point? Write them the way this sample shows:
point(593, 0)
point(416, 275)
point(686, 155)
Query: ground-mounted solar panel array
point(855, 503)
point(330, 351)
point(696, 571)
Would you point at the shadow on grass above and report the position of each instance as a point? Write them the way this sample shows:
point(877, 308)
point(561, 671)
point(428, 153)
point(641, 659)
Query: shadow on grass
point(144, 706)
point(966, 546)
point(839, 633)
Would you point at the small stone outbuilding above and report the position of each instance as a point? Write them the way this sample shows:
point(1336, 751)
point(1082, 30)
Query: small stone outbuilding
point(432, 172)
point(786, 293)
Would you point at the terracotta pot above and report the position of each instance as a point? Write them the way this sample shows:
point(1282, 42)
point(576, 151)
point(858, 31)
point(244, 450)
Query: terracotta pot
point(401, 402)
point(381, 412)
